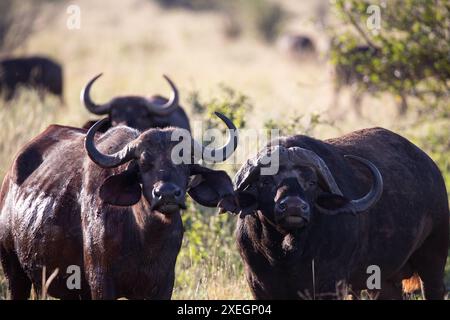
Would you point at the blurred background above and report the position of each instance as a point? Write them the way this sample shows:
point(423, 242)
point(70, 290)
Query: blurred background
point(316, 67)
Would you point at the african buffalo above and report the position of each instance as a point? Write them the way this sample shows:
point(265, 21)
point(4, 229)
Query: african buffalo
point(301, 236)
point(138, 112)
point(39, 73)
point(110, 207)
point(297, 45)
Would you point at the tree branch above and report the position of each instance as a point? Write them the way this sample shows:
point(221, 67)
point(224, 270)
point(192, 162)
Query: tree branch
point(359, 29)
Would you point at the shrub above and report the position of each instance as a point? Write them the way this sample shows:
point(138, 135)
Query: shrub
point(412, 49)
point(230, 102)
point(297, 124)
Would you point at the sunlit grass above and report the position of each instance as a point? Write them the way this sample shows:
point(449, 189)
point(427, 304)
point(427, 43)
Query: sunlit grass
point(21, 120)
point(213, 278)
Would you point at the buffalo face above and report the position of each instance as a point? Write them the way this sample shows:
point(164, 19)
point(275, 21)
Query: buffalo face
point(131, 112)
point(153, 175)
point(302, 186)
point(293, 194)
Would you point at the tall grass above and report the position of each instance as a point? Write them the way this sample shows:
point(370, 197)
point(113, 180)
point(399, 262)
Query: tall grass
point(21, 120)
point(3, 286)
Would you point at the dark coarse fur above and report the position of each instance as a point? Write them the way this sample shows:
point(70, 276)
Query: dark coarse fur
point(406, 232)
point(39, 73)
point(53, 215)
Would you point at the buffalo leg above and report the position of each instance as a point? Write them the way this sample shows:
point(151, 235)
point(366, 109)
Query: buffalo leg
point(390, 290)
point(19, 283)
point(166, 293)
point(429, 261)
point(102, 287)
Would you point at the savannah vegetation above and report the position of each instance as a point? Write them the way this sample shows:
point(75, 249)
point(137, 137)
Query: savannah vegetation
point(223, 56)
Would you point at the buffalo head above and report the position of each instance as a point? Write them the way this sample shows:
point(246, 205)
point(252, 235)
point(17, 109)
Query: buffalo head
point(152, 172)
point(302, 186)
point(134, 111)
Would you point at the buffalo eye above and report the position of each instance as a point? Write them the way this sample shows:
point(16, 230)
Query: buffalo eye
point(146, 161)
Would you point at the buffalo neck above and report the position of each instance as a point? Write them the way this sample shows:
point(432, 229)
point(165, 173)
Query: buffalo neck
point(154, 224)
point(275, 242)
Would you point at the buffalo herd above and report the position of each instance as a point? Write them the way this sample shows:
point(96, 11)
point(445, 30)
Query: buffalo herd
point(107, 198)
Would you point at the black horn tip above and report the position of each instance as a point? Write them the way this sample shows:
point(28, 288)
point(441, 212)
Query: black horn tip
point(89, 84)
point(101, 121)
point(85, 98)
point(165, 76)
point(171, 83)
point(97, 76)
point(225, 119)
point(96, 156)
point(376, 191)
point(84, 94)
point(97, 125)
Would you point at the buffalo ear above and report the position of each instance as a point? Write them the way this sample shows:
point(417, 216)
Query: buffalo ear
point(248, 202)
point(212, 188)
point(331, 203)
point(122, 189)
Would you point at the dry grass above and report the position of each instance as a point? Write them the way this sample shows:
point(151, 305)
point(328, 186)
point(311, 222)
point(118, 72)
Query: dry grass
point(215, 279)
point(134, 42)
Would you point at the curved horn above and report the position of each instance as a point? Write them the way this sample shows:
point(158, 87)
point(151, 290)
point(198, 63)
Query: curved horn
point(308, 157)
point(169, 106)
point(369, 200)
point(105, 160)
point(85, 98)
point(219, 154)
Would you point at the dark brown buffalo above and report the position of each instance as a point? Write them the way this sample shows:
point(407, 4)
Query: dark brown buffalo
point(111, 207)
point(301, 236)
point(298, 46)
point(138, 112)
point(39, 73)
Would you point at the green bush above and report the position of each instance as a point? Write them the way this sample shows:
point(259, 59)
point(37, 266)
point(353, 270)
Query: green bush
point(412, 44)
point(298, 124)
point(233, 104)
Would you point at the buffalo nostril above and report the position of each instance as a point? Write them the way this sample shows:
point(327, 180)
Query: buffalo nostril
point(178, 193)
point(282, 206)
point(305, 207)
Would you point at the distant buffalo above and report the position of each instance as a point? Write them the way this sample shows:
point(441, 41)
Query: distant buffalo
point(336, 211)
point(297, 45)
point(138, 112)
point(38, 73)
